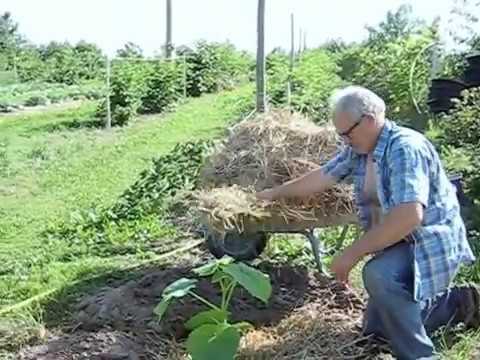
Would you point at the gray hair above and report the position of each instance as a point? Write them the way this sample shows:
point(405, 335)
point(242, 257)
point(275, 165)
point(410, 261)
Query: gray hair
point(357, 101)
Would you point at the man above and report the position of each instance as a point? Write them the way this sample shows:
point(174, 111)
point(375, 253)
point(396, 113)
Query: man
point(411, 217)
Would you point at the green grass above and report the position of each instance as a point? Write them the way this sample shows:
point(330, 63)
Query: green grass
point(51, 167)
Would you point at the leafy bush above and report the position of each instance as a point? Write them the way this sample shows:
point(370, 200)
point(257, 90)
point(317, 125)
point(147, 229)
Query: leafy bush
point(176, 170)
point(135, 219)
point(215, 66)
point(164, 87)
point(152, 87)
point(461, 127)
point(457, 135)
point(30, 65)
point(314, 78)
point(128, 87)
point(278, 69)
point(386, 71)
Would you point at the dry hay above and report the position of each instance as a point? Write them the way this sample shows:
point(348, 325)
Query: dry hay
point(317, 330)
point(269, 149)
point(264, 152)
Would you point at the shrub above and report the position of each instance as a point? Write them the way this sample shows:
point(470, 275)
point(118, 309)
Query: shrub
point(313, 79)
point(135, 218)
point(164, 87)
point(128, 86)
point(215, 66)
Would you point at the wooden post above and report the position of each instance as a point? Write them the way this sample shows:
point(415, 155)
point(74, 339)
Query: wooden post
point(260, 70)
point(168, 44)
point(109, 110)
point(292, 55)
point(184, 76)
point(15, 70)
point(299, 41)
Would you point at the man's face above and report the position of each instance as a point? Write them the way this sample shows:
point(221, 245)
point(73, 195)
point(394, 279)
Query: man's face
point(355, 132)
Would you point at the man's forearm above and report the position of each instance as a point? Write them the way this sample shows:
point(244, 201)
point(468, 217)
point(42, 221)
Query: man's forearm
point(309, 184)
point(399, 223)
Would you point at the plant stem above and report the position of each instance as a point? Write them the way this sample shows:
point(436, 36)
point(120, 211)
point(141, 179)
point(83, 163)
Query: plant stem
point(224, 293)
point(230, 293)
point(198, 297)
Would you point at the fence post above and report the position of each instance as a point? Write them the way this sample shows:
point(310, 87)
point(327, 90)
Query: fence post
point(184, 76)
point(109, 110)
point(261, 88)
point(292, 55)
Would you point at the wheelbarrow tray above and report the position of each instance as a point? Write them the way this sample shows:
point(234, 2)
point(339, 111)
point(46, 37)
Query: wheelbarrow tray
point(279, 224)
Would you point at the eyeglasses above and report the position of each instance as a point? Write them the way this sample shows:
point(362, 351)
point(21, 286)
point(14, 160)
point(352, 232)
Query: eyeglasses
point(346, 134)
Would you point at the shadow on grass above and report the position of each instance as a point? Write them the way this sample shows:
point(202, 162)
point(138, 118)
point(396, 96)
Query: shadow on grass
point(70, 125)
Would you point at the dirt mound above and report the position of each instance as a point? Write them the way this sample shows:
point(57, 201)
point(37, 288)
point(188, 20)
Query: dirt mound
point(103, 345)
point(130, 306)
point(308, 316)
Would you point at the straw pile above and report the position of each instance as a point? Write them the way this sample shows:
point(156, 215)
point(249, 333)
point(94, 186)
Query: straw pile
point(264, 152)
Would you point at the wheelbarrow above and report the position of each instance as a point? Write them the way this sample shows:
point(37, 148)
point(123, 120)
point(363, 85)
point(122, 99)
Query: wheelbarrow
point(250, 243)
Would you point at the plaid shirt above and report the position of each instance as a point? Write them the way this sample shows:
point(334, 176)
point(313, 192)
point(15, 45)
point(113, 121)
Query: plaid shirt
point(408, 169)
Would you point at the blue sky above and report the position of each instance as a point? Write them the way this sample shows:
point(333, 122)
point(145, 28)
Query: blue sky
point(111, 23)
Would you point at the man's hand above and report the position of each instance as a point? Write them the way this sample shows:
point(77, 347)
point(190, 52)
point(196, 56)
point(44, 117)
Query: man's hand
point(343, 264)
point(268, 194)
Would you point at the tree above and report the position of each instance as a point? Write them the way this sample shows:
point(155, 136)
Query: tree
point(63, 64)
point(30, 65)
point(130, 50)
point(91, 60)
point(462, 22)
point(10, 39)
point(335, 46)
point(398, 24)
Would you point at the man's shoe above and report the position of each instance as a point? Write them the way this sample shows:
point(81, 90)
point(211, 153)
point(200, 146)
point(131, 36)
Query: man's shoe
point(469, 305)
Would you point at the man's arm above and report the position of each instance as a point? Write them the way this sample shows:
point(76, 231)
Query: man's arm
point(399, 223)
point(409, 184)
point(315, 181)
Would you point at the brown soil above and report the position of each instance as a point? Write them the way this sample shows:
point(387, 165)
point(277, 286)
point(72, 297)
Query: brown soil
point(102, 345)
point(306, 312)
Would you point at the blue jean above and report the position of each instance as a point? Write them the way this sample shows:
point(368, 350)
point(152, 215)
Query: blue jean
point(393, 314)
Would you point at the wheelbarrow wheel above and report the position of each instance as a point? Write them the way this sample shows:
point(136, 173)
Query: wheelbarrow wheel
point(241, 247)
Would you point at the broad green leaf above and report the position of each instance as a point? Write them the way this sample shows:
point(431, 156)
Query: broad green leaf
point(219, 276)
point(257, 283)
point(219, 342)
point(212, 267)
point(162, 307)
point(179, 288)
point(207, 269)
point(207, 317)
